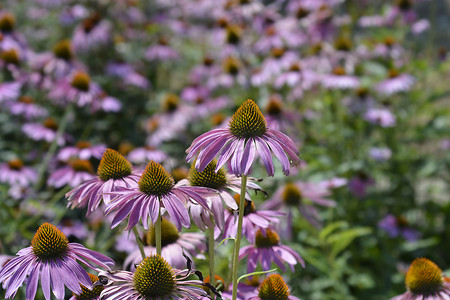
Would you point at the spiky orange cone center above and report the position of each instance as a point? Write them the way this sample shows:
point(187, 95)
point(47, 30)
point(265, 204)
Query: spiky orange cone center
point(424, 277)
point(273, 288)
point(113, 166)
point(248, 121)
point(49, 243)
point(155, 180)
point(154, 278)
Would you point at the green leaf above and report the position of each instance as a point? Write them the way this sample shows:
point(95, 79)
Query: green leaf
point(340, 241)
point(425, 243)
point(330, 228)
point(315, 258)
point(255, 273)
point(230, 238)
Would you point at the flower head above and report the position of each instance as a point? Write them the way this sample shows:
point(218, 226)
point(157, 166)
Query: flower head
point(114, 171)
point(424, 280)
point(173, 243)
point(254, 220)
point(89, 294)
point(246, 136)
point(274, 288)
point(14, 172)
point(76, 172)
point(398, 226)
point(303, 196)
point(53, 259)
point(156, 189)
point(153, 279)
point(155, 180)
point(225, 184)
point(63, 50)
point(267, 249)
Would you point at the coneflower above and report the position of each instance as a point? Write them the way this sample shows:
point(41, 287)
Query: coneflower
point(425, 281)
point(54, 260)
point(153, 279)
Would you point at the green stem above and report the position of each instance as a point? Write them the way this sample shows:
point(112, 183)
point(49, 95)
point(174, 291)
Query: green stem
point(237, 242)
point(139, 242)
point(211, 242)
point(158, 232)
point(53, 146)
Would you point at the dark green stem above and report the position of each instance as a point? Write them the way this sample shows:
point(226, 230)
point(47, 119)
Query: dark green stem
point(237, 242)
point(139, 242)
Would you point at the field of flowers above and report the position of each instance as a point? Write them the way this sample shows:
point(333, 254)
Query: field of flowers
point(224, 149)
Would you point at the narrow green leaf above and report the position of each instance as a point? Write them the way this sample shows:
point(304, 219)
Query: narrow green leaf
point(255, 273)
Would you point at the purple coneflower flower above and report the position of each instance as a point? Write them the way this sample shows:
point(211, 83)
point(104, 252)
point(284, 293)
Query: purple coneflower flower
point(156, 189)
point(59, 63)
point(82, 150)
point(14, 172)
point(380, 116)
point(268, 249)
point(273, 287)
point(9, 91)
point(73, 228)
point(278, 117)
point(73, 174)
point(144, 154)
point(53, 259)
point(89, 294)
point(380, 154)
point(45, 131)
point(77, 88)
point(128, 75)
point(91, 33)
point(168, 124)
point(253, 220)
point(106, 103)
point(161, 51)
point(395, 83)
point(398, 226)
point(420, 26)
point(302, 195)
point(296, 77)
point(404, 9)
point(340, 80)
point(334, 183)
point(114, 171)
point(153, 279)
point(26, 108)
point(359, 184)
point(425, 281)
point(204, 71)
point(223, 183)
point(246, 137)
point(173, 243)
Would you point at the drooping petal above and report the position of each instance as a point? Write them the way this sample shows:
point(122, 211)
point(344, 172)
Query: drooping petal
point(45, 280)
point(122, 214)
point(55, 279)
point(209, 152)
point(280, 154)
point(266, 156)
point(226, 153)
point(33, 282)
point(248, 156)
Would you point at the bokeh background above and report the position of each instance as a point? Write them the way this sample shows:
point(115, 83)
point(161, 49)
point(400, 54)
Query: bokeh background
point(362, 87)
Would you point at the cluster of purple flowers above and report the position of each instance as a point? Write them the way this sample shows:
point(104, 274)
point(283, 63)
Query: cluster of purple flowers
point(147, 79)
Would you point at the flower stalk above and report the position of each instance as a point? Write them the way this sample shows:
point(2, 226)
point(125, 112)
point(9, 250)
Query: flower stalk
point(158, 232)
point(211, 242)
point(53, 147)
point(139, 242)
point(237, 242)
